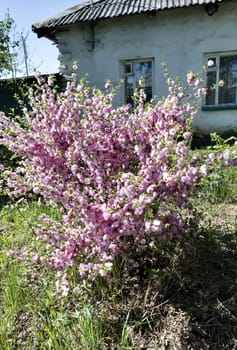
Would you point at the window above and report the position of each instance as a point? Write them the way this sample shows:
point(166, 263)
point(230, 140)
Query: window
point(221, 79)
point(133, 72)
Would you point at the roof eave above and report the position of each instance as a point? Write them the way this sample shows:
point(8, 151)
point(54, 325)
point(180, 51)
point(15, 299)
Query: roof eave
point(43, 32)
point(54, 24)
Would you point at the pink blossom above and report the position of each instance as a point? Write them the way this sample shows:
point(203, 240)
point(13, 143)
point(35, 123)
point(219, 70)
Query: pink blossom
point(118, 176)
point(36, 190)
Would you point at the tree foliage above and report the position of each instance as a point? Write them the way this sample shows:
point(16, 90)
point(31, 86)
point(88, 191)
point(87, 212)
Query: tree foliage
point(14, 58)
point(5, 41)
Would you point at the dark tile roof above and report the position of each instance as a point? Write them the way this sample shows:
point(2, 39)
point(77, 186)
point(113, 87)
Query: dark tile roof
point(101, 9)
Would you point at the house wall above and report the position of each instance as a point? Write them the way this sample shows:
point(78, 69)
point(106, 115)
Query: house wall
point(178, 37)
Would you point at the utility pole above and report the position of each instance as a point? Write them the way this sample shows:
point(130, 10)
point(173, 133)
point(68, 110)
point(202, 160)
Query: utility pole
point(25, 54)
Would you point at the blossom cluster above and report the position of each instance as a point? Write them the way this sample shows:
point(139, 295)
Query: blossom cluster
point(122, 177)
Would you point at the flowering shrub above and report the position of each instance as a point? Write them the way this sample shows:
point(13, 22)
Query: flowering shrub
point(122, 178)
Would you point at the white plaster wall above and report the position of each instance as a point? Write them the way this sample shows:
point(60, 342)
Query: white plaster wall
point(178, 37)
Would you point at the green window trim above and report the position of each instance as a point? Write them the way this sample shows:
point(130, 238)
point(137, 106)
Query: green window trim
point(219, 108)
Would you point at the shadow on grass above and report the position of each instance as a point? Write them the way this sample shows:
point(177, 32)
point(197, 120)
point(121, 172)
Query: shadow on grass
point(203, 285)
point(4, 200)
point(185, 298)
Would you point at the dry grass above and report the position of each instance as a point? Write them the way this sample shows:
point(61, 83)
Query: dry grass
point(189, 300)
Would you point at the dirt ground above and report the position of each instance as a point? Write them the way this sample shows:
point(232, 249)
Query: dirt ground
point(189, 301)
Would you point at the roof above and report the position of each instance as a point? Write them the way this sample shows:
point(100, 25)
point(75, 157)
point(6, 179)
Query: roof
point(100, 9)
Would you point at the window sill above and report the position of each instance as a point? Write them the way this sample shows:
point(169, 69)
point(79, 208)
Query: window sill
point(219, 108)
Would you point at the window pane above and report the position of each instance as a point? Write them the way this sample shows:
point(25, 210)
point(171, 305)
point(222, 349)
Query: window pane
point(228, 79)
point(128, 68)
point(148, 92)
point(211, 88)
point(143, 71)
point(211, 62)
point(134, 71)
point(129, 89)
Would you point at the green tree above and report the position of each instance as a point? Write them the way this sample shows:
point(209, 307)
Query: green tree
point(14, 59)
point(5, 44)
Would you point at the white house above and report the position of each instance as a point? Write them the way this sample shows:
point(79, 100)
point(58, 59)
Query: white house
point(114, 39)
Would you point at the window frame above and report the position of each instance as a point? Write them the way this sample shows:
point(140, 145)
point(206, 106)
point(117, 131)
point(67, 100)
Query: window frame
point(217, 56)
point(131, 62)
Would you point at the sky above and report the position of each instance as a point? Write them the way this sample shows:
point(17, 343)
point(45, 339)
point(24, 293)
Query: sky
point(42, 53)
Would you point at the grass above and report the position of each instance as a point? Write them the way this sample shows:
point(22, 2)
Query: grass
point(221, 186)
point(186, 300)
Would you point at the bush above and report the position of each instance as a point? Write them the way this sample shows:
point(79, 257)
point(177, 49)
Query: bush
point(123, 179)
